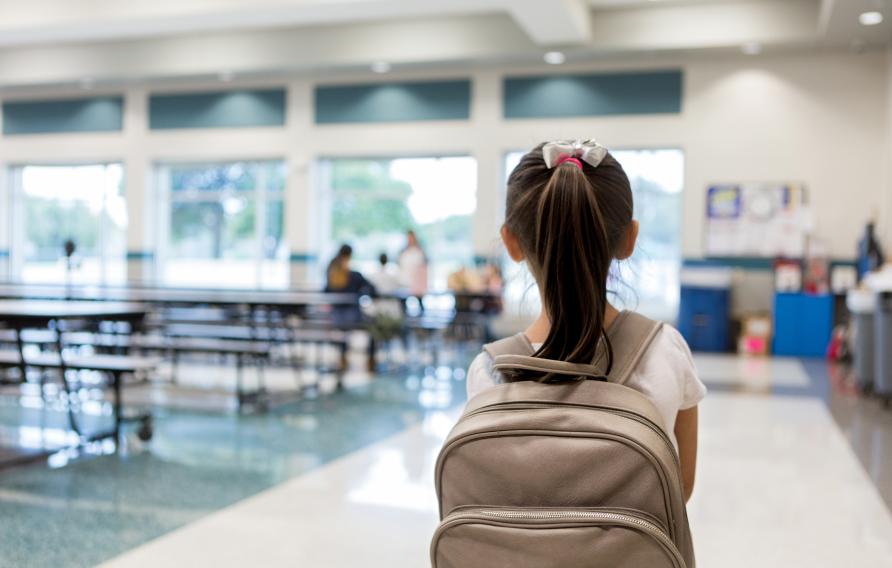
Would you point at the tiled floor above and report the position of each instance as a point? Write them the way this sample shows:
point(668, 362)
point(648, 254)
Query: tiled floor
point(793, 466)
point(198, 462)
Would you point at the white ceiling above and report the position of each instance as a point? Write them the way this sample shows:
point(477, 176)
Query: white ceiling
point(53, 41)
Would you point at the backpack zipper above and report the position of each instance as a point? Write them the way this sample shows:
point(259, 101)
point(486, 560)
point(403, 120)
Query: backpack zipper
point(644, 526)
point(507, 406)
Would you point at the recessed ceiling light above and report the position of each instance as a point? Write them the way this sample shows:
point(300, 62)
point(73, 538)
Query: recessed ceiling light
point(226, 76)
point(381, 67)
point(870, 18)
point(751, 48)
point(555, 57)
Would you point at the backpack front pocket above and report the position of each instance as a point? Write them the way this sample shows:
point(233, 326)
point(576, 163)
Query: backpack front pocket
point(492, 537)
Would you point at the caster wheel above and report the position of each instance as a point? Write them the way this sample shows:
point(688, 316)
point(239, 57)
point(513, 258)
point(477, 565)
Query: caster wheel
point(145, 431)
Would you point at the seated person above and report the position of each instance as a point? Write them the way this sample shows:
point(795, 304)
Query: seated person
point(339, 278)
point(387, 278)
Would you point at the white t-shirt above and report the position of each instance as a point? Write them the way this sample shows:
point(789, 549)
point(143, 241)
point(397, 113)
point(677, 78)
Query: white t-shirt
point(386, 280)
point(666, 375)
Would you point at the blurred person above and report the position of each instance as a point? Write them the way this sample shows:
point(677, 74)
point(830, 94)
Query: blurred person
point(413, 266)
point(386, 279)
point(494, 286)
point(386, 312)
point(341, 279)
point(492, 279)
point(464, 280)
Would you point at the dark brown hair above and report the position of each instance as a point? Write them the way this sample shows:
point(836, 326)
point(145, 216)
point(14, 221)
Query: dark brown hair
point(570, 223)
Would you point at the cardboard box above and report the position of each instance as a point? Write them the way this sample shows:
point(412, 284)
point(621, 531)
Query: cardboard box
point(755, 335)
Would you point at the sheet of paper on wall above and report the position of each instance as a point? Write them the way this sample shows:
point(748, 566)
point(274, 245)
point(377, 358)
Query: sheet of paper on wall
point(765, 220)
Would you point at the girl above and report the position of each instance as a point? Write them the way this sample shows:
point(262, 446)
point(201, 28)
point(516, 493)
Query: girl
point(569, 216)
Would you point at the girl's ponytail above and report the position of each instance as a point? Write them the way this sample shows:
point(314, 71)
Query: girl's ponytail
point(574, 258)
point(570, 221)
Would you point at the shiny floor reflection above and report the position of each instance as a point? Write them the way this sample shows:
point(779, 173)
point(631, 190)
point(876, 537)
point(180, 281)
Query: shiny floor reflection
point(198, 462)
point(788, 453)
point(778, 487)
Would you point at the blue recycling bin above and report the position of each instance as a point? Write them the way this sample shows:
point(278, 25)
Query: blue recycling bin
point(803, 324)
point(704, 317)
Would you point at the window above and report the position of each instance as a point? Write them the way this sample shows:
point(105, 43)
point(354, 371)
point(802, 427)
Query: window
point(372, 202)
point(650, 281)
point(83, 204)
point(221, 225)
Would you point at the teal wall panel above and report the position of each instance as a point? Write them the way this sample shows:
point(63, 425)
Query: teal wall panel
point(393, 102)
point(749, 262)
point(742, 262)
point(93, 114)
point(604, 94)
point(230, 109)
point(303, 257)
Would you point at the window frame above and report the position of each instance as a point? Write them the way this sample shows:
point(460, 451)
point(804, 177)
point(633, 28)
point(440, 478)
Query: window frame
point(262, 195)
point(325, 194)
point(17, 232)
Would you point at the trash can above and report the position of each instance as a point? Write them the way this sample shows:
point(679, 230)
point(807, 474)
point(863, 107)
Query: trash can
point(803, 324)
point(883, 345)
point(704, 308)
point(862, 305)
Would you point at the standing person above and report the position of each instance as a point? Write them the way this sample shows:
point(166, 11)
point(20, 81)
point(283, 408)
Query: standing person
point(870, 253)
point(413, 266)
point(569, 216)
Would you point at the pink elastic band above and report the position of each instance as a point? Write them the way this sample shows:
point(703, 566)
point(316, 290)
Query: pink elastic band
point(566, 158)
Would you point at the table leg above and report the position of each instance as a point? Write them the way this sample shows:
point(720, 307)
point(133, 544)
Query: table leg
point(118, 406)
point(63, 372)
point(20, 344)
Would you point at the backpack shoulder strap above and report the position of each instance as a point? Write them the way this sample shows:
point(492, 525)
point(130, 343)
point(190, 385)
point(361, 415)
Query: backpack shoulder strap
point(517, 344)
point(516, 352)
point(630, 336)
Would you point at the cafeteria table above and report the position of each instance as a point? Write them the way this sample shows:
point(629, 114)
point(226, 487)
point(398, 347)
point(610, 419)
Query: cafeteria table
point(19, 315)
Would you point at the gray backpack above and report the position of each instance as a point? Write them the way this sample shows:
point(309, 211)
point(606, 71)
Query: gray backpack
point(578, 474)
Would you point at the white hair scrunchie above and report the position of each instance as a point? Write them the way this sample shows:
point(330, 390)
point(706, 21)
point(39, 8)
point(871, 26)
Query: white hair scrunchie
point(560, 151)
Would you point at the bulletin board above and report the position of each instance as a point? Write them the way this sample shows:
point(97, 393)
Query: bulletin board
point(765, 220)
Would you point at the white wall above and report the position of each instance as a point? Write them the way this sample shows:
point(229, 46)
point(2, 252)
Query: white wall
point(822, 119)
point(819, 120)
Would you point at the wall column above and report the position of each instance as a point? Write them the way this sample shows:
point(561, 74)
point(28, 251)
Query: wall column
point(486, 117)
point(5, 228)
point(138, 190)
point(301, 226)
point(5, 204)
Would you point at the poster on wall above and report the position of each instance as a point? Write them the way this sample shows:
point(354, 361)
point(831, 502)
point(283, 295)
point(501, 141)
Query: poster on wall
point(764, 220)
